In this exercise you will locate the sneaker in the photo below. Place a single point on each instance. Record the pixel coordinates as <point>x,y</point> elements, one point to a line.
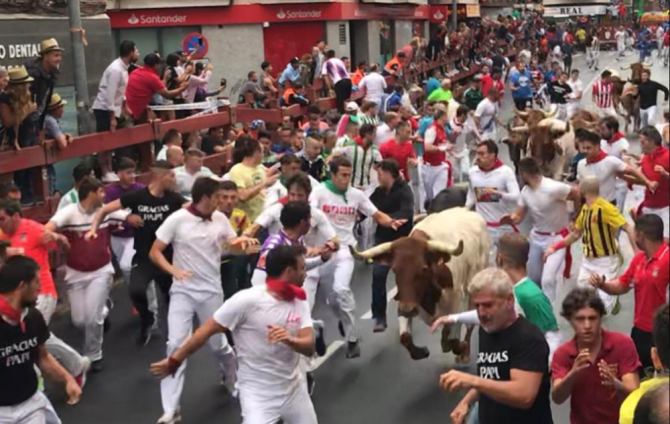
<point>110,177</point>
<point>170,418</point>
<point>86,367</point>
<point>97,366</point>
<point>380,325</point>
<point>320,342</point>
<point>311,383</point>
<point>353,350</point>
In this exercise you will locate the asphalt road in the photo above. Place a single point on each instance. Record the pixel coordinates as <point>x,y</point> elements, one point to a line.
<point>384,386</point>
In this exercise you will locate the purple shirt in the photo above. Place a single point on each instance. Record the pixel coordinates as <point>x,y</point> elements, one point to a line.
<point>114,192</point>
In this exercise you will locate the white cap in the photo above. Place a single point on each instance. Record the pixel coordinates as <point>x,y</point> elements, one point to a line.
<point>351,107</point>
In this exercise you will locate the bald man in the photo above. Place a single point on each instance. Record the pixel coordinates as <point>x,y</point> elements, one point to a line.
<point>175,156</point>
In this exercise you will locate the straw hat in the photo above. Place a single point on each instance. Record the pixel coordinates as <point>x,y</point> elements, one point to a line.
<point>48,46</point>
<point>56,102</point>
<point>19,75</point>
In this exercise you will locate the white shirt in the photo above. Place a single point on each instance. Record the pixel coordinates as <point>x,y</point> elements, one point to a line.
<point>620,37</point>
<point>492,208</point>
<point>577,90</point>
<point>274,194</point>
<point>383,134</point>
<point>69,198</point>
<point>162,153</point>
<point>606,171</point>
<point>264,368</point>
<point>320,230</point>
<point>616,149</point>
<point>547,205</point>
<point>185,179</point>
<point>112,88</point>
<point>486,112</point>
<point>342,213</point>
<point>339,71</point>
<point>374,85</point>
<point>197,245</point>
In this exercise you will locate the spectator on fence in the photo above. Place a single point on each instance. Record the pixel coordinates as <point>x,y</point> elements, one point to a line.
<point>44,72</point>
<point>305,68</point>
<point>373,85</point>
<point>294,96</point>
<point>433,82</point>
<point>79,173</point>
<point>442,94</point>
<point>196,81</point>
<point>252,86</point>
<point>291,73</point>
<point>268,82</point>
<point>11,192</point>
<point>396,65</point>
<point>358,76</point>
<point>192,170</point>
<point>171,138</point>
<point>109,108</point>
<point>214,141</point>
<point>143,84</point>
<point>53,131</point>
<point>19,124</point>
<point>337,79</point>
<point>202,91</point>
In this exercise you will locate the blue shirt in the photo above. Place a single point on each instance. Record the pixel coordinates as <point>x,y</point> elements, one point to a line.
<point>431,85</point>
<point>290,74</point>
<point>522,81</point>
<point>549,76</point>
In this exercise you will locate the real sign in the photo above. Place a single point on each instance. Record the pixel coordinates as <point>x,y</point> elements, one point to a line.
<point>575,10</point>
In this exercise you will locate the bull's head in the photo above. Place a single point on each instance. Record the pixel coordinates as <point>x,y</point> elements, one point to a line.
<point>543,145</point>
<point>534,117</point>
<point>421,270</point>
<point>636,71</point>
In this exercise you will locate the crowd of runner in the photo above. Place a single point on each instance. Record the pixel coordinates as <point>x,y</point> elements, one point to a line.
<point>245,252</point>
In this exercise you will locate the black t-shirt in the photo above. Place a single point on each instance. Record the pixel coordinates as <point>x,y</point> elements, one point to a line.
<point>209,143</point>
<point>154,211</point>
<point>498,62</point>
<point>558,91</point>
<point>18,356</point>
<point>521,346</point>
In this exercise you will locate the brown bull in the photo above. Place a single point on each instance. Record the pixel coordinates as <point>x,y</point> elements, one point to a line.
<point>433,267</point>
<point>630,101</point>
<point>520,129</point>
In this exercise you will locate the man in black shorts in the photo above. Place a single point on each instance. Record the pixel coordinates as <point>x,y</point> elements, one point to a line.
<point>149,207</point>
<point>513,385</point>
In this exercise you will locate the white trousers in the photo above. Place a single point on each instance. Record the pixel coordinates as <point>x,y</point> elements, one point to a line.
<point>609,267</point>
<point>555,340</point>
<point>336,280</point>
<point>461,165</point>
<point>647,116</point>
<point>592,58</point>
<point>435,179</point>
<point>69,358</point>
<point>546,274</point>
<point>87,304</point>
<point>291,408</point>
<point>664,214</point>
<point>183,309</point>
<point>418,188</point>
<point>573,108</point>
<point>124,251</point>
<point>621,193</point>
<point>607,112</point>
<point>32,411</point>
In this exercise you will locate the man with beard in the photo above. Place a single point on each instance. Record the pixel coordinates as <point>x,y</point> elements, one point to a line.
<point>23,334</point>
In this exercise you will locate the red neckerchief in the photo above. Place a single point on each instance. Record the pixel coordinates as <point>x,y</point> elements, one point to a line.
<point>359,140</point>
<point>602,155</point>
<point>286,291</point>
<point>497,164</point>
<point>283,200</point>
<point>616,137</point>
<point>8,310</point>
<point>197,213</point>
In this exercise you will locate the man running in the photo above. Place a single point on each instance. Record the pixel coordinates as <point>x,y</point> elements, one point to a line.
<point>648,94</point>
<point>656,167</point>
<point>575,98</point>
<point>435,167</point>
<point>197,235</point>
<point>342,204</point>
<point>272,328</point>
<point>615,144</point>
<point>603,95</point>
<point>546,201</point>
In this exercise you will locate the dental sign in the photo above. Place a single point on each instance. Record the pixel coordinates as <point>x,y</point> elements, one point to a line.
<point>18,51</point>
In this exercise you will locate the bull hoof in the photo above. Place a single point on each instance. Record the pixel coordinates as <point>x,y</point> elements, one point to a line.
<point>463,359</point>
<point>447,346</point>
<point>419,353</point>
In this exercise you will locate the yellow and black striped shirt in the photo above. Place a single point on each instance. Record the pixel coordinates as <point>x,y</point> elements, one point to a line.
<point>600,224</point>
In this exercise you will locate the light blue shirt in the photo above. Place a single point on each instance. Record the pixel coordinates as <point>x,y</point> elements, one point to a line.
<point>290,74</point>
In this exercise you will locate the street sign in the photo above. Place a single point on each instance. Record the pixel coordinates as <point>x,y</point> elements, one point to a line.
<point>196,42</point>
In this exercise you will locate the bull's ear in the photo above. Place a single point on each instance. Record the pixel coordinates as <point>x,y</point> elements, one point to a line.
<point>443,277</point>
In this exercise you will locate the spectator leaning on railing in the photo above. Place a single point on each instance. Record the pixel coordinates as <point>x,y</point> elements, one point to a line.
<point>4,80</point>
<point>53,131</point>
<point>44,71</point>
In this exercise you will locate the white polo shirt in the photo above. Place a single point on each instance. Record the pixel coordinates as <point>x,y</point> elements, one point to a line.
<point>616,149</point>
<point>320,230</point>
<point>606,171</point>
<point>264,368</point>
<point>197,245</point>
<point>547,205</point>
<point>185,179</point>
<point>492,207</point>
<point>342,213</point>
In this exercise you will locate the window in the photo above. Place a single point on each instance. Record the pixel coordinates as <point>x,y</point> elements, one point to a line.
<point>165,40</point>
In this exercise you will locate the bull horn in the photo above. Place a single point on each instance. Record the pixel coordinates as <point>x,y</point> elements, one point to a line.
<point>647,67</point>
<point>625,68</point>
<point>438,246</point>
<point>524,128</point>
<point>552,113</point>
<point>371,253</point>
<point>522,115</point>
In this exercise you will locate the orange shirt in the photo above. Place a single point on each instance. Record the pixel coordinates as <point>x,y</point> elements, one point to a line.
<point>357,77</point>
<point>29,238</point>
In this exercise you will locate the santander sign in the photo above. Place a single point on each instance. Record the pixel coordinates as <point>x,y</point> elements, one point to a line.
<point>156,19</point>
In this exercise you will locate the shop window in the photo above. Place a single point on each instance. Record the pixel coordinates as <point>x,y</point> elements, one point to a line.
<point>148,40</point>
<point>386,41</point>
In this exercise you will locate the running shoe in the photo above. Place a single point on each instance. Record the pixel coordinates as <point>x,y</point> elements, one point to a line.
<point>353,350</point>
<point>86,367</point>
<point>380,325</point>
<point>170,418</point>
<point>311,383</point>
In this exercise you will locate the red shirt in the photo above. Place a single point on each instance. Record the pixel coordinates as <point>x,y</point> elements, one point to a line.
<point>487,84</point>
<point>142,85</point>
<point>591,402</point>
<point>399,153</point>
<point>29,238</point>
<point>650,279</point>
<point>661,198</point>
